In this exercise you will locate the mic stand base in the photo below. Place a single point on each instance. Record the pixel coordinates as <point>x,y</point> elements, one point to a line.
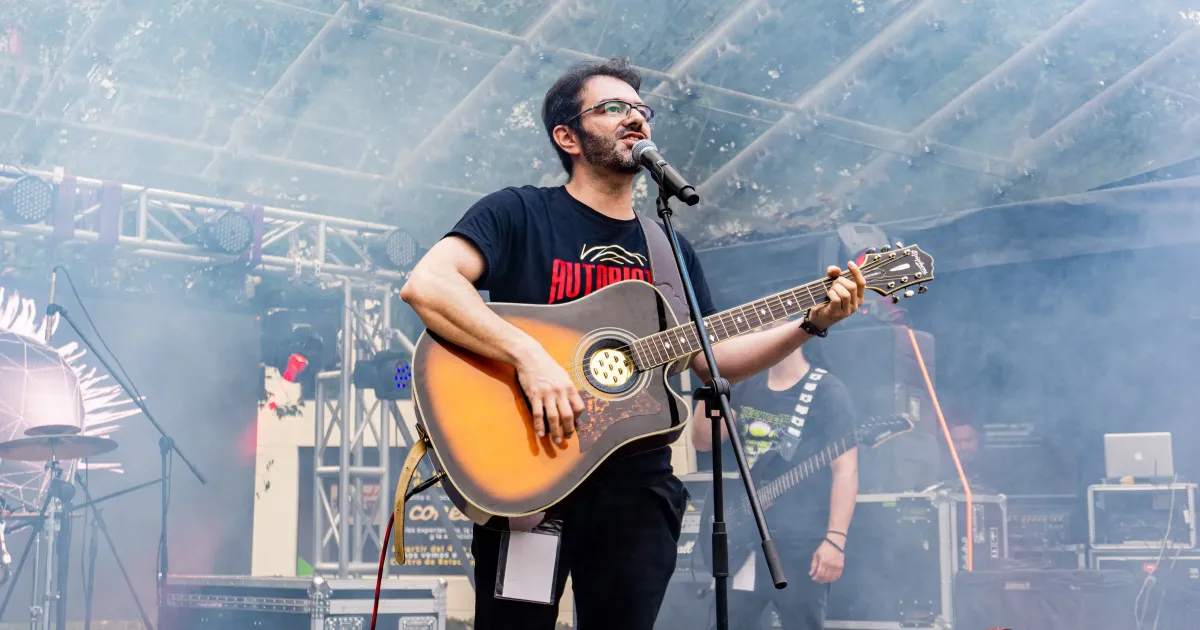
<point>98,523</point>
<point>716,391</point>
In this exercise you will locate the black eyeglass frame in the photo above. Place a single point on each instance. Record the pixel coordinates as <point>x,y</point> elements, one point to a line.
<point>643,108</point>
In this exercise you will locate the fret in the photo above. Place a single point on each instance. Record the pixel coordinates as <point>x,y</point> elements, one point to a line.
<point>811,297</point>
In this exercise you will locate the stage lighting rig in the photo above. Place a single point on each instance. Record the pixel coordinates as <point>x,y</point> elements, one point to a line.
<point>231,232</point>
<point>388,374</point>
<point>27,201</point>
<point>396,250</point>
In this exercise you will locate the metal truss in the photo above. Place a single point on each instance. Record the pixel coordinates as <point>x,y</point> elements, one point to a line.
<point>351,499</point>
<point>164,225</point>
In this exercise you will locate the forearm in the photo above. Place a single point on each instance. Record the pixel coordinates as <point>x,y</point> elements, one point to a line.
<point>450,306</point>
<point>743,357</point>
<point>842,499</point>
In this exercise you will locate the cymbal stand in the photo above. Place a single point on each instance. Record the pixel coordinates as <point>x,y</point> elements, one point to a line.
<point>43,526</point>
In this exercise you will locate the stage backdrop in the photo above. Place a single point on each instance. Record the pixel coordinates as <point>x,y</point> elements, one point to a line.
<point>197,367</point>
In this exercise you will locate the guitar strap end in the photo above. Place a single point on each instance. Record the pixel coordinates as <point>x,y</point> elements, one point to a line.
<point>415,454</point>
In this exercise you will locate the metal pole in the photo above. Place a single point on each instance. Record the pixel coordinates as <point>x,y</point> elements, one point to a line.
<point>346,401</point>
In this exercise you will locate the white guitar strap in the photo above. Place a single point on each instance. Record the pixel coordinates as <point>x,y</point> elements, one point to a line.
<point>795,431</point>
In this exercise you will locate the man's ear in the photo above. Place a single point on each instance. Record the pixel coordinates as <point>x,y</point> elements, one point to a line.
<point>567,140</point>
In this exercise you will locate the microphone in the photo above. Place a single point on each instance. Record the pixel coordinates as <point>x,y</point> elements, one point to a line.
<point>646,153</point>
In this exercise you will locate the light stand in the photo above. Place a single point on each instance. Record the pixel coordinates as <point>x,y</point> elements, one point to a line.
<point>166,446</point>
<point>715,394</point>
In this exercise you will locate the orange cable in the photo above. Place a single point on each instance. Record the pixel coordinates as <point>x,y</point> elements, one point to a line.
<point>937,407</point>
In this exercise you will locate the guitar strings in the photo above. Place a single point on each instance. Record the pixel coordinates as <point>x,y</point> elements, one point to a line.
<point>724,318</point>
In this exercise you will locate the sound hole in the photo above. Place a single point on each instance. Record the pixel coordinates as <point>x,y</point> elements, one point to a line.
<point>609,366</point>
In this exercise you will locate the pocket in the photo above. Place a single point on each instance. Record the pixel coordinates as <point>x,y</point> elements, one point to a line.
<point>673,498</point>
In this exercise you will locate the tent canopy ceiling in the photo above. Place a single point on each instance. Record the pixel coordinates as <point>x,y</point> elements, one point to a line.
<point>792,116</point>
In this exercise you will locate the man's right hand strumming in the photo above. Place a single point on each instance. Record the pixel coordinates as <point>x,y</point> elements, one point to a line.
<point>440,289</point>
<point>553,397</point>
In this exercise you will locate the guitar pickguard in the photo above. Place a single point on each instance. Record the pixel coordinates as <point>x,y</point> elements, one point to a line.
<point>600,414</point>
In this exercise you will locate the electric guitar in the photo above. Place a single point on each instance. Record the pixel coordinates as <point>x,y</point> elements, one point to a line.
<point>742,530</point>
<point>619,344</point>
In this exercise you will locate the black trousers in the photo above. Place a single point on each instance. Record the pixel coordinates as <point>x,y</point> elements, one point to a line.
<point>801,606</point>
<point>619,545</point>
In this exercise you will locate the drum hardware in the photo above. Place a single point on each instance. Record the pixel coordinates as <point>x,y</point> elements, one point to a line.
<point>59,499</point>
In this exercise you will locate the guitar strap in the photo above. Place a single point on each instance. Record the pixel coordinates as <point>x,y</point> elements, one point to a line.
<point>793,434</point>
<point>663,269</point>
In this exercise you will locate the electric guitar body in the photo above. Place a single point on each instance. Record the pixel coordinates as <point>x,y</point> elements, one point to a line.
<point>619,345</point>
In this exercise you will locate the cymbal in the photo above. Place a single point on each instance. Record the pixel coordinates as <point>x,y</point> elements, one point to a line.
<point>60,447</point>
<point>53,429</point>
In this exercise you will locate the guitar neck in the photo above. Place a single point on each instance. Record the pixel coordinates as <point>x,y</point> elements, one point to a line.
<point>807,468</point>
<point>682,341</point>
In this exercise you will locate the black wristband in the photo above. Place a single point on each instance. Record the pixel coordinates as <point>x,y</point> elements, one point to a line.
<point>834,531</point>
<point>808,327</point>
<point>835,545</point>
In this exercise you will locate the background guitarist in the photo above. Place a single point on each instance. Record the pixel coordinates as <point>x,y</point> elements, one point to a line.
<point>539,245</point>
<point>809,522</point>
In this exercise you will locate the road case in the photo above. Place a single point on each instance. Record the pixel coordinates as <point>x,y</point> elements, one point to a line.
<point>903,552</point>
<point>302,603</point>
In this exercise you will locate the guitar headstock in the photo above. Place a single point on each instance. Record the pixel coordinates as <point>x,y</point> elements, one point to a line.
<point>890,270</point>
<point>879,429</point>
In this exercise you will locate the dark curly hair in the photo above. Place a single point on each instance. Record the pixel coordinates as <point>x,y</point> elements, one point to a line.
<point>562,99</point>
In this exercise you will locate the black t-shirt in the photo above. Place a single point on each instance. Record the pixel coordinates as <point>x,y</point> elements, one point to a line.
<point>543,246</point>
<point>763,415</point>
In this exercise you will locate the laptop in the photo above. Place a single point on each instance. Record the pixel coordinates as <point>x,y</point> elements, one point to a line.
<point>1138,455</point>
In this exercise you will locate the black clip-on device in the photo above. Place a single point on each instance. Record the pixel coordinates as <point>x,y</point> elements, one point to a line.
<point>166,445</point>
<point>715,394</point>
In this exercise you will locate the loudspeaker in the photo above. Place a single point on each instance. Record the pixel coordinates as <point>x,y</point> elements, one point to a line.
<point>1045,600</point>
<point>879,366</point>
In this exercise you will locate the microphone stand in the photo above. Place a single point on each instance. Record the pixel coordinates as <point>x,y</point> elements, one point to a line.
<point>715,394</point>
<point>166,446</point>
<point>89,580</point>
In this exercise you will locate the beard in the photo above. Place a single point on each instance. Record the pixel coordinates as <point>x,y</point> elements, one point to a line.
<point>608,152</point>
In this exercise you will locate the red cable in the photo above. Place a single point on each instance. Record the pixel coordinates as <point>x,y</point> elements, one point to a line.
<point>962,476</point>
<point>379,576</point>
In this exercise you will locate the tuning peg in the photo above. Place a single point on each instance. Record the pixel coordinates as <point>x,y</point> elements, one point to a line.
<point>895,299</point>
<point>909,293</point>
<point>872,250</point>
<point>885,248</point>
<point>923,290</point>
<point>899,245</point>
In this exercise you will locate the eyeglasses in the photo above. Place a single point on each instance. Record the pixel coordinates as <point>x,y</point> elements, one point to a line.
<point>616,108</point>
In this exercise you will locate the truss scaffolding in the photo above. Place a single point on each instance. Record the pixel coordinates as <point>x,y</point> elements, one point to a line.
<point>164,224</point>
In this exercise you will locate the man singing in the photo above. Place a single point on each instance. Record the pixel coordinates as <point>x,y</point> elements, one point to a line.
<point>621,526</point>
<point>809,522</point>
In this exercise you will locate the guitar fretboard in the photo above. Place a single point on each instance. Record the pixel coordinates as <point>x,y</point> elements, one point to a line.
<point>769,492</point>
<point>670,345</point>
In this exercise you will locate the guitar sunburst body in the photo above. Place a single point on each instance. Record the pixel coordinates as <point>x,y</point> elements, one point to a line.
<point>618,344</point>
<point>498,472</point>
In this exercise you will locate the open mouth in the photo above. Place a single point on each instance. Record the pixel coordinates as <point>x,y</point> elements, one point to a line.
<point>632,138</point>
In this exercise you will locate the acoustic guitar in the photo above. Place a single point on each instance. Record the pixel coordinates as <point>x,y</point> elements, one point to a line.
<point>619,344</point>
<point>742,529</point>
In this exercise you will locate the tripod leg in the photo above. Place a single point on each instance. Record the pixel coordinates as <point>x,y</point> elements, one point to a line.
<point>121,567</point>
<point>17,574</point>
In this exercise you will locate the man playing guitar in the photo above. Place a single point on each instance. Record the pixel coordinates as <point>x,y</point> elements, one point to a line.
<point>537,245</point>
<point>809,522</point>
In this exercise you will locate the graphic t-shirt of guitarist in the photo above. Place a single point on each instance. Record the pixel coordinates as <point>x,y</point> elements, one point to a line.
<point>763,415</point>
<point>543,246</point>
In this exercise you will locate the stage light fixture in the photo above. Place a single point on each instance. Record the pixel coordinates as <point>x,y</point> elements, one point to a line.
<point>230,233</point>
<point>28,200</point>
<point>388,374</point>
<point>294,343</point>
<point>397,250</point>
